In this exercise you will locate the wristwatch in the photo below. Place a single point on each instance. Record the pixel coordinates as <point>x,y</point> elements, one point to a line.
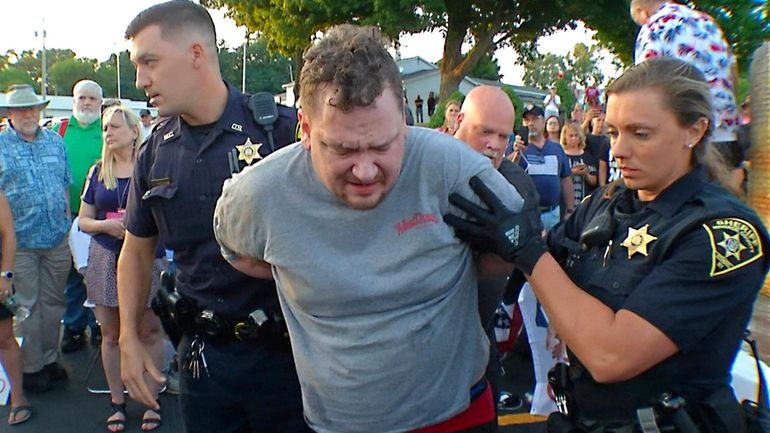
<point>8,275</point>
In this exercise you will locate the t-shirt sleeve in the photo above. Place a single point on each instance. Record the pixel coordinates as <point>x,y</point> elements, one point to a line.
<point>89,189</point>
<point>238,221</point>
<point>685,298</point>
<point>565,170</point>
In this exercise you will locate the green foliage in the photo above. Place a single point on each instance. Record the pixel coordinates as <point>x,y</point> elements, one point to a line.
<point>438,116</point>
<point>542,71</point>
<point>63,74</point>
<point>579,67</point>
<point>566,94</point>
<point>486,69</point>
<point>746,24</point>
<point>9,76</point>
<point>517,105</point>
<point>265,71</point>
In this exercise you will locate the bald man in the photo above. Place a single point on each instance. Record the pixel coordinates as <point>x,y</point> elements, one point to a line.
<point>485,123</point>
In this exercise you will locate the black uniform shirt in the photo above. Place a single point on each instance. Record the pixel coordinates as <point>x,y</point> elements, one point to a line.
<point>177,180</point>
<point>690,262</point>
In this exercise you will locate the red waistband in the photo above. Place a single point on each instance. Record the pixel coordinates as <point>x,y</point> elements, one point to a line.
<point>480,411</point>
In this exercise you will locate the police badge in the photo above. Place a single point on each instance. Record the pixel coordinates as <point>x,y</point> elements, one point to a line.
<point>734,244</point>
<point>249,152</point>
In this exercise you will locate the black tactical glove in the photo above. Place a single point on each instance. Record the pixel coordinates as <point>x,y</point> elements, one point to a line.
<point>498,230</point>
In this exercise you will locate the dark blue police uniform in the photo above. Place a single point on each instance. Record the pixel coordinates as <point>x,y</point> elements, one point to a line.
<point>249,385</point>
<point>690,262</point>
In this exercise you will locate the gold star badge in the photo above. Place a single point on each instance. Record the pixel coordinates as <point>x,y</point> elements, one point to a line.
<point>732,245</point>
<point>637,240</point>
<point>249,152</point>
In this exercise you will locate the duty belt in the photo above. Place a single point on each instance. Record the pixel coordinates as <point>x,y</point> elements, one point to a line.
<point>259,324</point>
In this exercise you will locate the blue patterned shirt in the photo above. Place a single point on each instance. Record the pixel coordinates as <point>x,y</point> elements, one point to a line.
<point>35,177</point>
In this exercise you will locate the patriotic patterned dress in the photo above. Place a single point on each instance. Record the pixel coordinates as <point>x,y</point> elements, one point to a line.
<point>678,31</point>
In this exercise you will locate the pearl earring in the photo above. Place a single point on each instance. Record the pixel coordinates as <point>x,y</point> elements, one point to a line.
<point>691,145</point>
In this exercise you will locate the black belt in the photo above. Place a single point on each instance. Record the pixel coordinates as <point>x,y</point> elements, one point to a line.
<point>478,388</point>
<point>544,209</point>
<point>258,325</point>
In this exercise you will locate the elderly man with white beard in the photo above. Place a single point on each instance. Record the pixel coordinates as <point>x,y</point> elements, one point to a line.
<point>82,134</point>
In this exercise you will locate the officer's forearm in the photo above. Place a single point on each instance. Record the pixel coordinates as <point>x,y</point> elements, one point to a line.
<point>613,347</point>
<point>134,276</point>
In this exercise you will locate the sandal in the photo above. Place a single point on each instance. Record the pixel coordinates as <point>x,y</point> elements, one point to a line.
<point>118,424</point>
<point>13,415</point>
<point>150,423</point>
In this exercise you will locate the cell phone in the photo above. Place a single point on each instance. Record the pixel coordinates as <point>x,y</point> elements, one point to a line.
<point>523,132</point>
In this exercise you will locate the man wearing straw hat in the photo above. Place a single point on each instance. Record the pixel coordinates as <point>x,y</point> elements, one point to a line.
<point>35,178</point>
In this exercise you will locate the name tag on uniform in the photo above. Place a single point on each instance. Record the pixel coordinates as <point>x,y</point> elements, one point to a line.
<point>160,181</point>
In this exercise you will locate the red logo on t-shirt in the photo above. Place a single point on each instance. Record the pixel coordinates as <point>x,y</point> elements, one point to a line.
<point>418,219</point>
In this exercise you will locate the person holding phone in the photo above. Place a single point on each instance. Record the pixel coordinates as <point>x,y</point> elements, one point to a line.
<point>545,161</point>
<point>582,163</point>
<point>101,214</point>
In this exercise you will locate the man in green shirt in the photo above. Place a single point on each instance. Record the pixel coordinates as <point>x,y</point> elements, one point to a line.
<point>82,134</point>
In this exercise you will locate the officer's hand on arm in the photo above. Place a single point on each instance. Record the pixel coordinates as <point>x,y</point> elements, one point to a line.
<point>134,275</point>
<point>497,230</point>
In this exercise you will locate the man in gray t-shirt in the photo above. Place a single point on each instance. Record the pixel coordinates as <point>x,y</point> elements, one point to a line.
<point>379,296</point>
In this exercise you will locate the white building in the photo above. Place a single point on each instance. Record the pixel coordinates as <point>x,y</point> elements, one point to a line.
<point>61,106</point>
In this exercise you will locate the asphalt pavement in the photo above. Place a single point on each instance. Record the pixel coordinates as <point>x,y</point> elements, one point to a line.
<point>71,408</point>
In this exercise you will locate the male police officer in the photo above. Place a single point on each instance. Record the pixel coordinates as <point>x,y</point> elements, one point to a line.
<point>235,381</point>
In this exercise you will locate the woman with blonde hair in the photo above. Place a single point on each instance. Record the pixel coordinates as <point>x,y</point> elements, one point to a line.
<point>584,166</point>
<point>101,214</point>
<point>450,117</point>
<point>651,282</point>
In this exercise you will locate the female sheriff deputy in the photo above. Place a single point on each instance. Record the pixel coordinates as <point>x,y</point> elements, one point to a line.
<point>651,282</point>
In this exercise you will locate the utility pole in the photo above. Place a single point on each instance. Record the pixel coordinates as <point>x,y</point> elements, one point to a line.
<point>44,83</point>
<point>245,44</point>
<point>117,67</point>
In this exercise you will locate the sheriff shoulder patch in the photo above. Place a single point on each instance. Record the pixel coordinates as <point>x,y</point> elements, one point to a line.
<point>734,244</point>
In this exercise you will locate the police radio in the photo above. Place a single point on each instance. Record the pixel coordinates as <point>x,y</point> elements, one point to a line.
<point>265,112</point>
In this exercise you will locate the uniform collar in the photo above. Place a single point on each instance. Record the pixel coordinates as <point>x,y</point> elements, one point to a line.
<point>233,118</point>
<point>679,193</point>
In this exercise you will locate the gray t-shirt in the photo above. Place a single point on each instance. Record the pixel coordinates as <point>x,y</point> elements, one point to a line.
<point>381,304</point>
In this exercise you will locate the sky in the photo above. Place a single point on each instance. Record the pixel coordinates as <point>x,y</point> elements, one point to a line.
<point>70,24</point>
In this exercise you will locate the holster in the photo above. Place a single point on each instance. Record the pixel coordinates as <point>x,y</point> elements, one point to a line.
<point>720,412</point>
<point>166,305</point>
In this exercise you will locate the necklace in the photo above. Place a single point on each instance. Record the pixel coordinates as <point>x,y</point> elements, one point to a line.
<point>122,197</point>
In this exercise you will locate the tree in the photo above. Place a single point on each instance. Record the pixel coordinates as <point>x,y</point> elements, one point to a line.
<point>543,71</point>
<point>289,26</point>
<point>13,75</point>
<point>746,24</point>
<point>486,69</point>
<point>265,71</point>
<point>63,74</point>
<point>108,77</point>
<point>583,65</point>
